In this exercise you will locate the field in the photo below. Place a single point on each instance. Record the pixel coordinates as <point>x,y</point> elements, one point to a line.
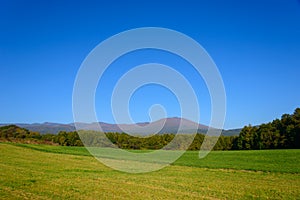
<point>55,172</point>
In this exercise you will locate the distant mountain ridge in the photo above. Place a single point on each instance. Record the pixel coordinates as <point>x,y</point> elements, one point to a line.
<point>166,125</point>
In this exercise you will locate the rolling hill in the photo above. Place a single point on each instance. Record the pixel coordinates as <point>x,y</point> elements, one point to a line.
<point>166,125</point>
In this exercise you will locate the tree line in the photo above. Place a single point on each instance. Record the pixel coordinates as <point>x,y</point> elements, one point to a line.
<point>281,133</point>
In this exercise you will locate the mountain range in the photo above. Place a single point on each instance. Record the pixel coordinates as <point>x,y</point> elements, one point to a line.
<point>166,125</point>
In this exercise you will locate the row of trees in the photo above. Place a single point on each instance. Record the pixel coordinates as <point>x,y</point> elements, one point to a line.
<point>13,133</point>
<point>122,140</point>
<point>280,133</point>
<point>166,141</point>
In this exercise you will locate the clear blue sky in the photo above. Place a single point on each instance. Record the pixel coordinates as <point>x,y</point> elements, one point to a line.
<point>255,44</point>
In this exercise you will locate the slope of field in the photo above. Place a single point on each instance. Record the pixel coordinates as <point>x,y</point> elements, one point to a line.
<point>50,172</point>
<point>286,161</point>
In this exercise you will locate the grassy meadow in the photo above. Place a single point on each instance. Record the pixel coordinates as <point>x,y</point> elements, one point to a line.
<point>30,171</point>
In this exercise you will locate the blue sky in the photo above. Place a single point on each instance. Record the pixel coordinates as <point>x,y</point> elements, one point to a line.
<point>255,44</point>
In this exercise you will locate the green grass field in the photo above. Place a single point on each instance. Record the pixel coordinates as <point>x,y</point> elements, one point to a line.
<point>55,172</point>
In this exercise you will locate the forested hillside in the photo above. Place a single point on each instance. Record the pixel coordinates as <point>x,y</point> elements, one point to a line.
<point>278,134</point>
<point>281,133</point>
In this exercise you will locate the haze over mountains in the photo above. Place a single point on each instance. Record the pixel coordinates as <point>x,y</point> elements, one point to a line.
<point>166,125</point>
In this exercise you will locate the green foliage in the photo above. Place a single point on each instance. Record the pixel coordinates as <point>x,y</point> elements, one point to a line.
<point>278,134</point>
<point>125,141</point>
<point>68,139</point>
<point>12,132</point>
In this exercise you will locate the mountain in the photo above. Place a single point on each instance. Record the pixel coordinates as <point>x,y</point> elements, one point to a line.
<point>231,132</point>
<point>166,125</point>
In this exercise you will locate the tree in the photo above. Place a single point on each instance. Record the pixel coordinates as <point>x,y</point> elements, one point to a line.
<point>246,138</point>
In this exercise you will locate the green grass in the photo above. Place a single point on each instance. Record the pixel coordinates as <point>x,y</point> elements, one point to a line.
<point>55,172</point>
<point>257,160</point>
<point>262,160</point>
